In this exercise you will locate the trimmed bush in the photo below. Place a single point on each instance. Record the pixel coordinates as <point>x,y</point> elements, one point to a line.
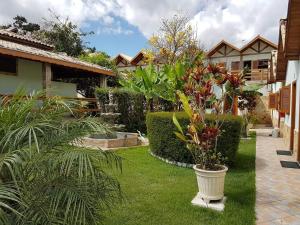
<point>131,106</point>
<point>164,143</point>
<point>129,103</point>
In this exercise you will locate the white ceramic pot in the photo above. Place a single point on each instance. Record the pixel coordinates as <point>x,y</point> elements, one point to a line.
<point>210,183</point>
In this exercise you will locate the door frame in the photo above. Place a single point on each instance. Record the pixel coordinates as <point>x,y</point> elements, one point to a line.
<point>293,114</point>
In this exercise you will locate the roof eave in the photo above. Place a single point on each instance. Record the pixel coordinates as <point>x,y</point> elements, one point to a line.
<point>35,57</point>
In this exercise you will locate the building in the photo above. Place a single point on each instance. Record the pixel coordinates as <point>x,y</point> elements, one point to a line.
<point>284,80</point>
<point>123,62</point>
<point>255,56</point>
<point>32,65</point>
<point>129,64</point>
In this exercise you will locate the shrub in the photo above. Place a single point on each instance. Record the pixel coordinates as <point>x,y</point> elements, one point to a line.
<point>102,95</point>
<point>163,142</point>
<point>129,103</point>
<point>131,106</point>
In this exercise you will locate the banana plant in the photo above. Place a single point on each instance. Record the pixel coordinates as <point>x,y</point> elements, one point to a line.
<point>152,82</point>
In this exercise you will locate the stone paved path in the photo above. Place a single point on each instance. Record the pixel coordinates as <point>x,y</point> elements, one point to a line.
<point>277,188</point>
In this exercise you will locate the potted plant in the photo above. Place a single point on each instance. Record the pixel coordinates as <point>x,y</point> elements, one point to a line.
<point>203,90</point>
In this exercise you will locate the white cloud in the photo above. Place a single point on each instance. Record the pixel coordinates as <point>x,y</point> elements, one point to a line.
<point>233,20</point>
<point>239,20</point>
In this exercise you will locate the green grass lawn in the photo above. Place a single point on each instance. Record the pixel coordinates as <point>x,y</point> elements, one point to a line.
<point>160,194</point>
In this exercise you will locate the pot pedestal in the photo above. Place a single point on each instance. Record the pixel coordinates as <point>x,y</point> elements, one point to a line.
<point>215,205</point>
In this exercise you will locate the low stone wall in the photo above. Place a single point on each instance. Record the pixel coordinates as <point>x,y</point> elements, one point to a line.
<point>180,164</point>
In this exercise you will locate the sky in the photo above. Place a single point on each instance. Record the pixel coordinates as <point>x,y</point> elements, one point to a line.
<point>124,26</point>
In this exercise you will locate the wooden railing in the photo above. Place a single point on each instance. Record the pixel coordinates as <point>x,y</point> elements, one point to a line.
<point>82,106</point>
<point>255,74</point>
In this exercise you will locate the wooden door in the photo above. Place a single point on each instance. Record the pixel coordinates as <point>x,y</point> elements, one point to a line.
<point>293,115</point>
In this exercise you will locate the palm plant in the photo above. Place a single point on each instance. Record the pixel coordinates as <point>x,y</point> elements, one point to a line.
<point>45,177</point>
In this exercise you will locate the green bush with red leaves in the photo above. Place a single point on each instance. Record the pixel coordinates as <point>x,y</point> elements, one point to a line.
<point>164,143</point>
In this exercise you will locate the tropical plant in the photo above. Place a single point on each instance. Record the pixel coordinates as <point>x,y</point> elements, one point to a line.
<point>153,83</point>
<point>199,95</point>
<point>46,178</point>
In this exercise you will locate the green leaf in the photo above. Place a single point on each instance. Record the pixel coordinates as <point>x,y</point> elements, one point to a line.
<point>175,121</point>
<point>186,106</point>
<point>180,136</point>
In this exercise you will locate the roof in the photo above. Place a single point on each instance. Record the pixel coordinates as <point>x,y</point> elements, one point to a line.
<point>281,62</point>
<point>139,56</point>
<point>220,45</point>
<point>36,54</point>
<point>24,39</point>
<point>126,57</point>
<point>292,35</point>
<point>258,38</point>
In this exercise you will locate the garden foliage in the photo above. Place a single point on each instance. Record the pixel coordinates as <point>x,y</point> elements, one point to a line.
<point>129,103</point>
<point>163,141</point>
<point>45,177</point>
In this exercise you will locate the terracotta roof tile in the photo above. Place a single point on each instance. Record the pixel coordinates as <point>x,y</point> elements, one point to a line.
<point>46,56</point>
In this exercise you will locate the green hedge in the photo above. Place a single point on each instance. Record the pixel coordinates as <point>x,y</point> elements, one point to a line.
<point>130,104</point>
<point>163,142</point>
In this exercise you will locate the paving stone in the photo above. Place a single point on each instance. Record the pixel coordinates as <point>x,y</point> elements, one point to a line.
<point>277,188</point>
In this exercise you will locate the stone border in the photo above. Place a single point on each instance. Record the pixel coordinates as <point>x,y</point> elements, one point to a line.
<point>246,138</point>
<point>180,164</point>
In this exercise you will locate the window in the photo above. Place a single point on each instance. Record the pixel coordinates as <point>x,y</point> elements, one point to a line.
<point>8,65</point>
<point>272,100</point>
<point>263,64</point>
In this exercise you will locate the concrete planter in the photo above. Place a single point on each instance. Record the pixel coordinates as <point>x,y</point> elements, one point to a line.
<point>210,183</point>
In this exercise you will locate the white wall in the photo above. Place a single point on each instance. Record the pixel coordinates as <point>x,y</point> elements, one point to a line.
<point>63,89</point>
<point>256,57</point>
<point>293,74</point>
<point>29,77</point>
<point>228,60</point>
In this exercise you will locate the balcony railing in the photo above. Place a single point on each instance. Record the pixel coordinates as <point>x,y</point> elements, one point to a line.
<point>255,74</point>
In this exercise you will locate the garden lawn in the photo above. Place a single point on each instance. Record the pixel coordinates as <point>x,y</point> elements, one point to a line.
<point>157,193</point>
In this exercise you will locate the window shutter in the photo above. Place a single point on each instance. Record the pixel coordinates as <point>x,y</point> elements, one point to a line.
<point>255,64</point>
<point>272,100</point>
<point>277,100</point>
<point>285,93</point>
<point>235,65</point>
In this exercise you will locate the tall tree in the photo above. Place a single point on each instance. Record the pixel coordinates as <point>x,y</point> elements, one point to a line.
<point>21,25</point>
<point>64,35</point>
<point>176,40</point>
<point>102,59</point>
